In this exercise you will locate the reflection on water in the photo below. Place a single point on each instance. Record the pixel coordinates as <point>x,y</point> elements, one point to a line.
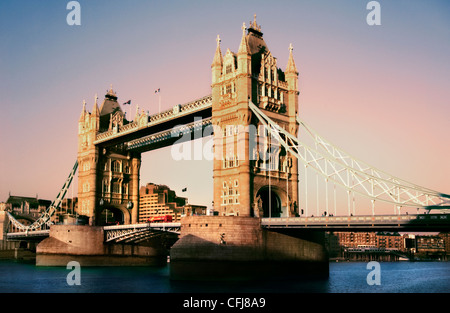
<point>404,277</point>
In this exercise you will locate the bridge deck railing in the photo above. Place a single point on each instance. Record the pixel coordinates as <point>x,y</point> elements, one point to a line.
<point>410,219</point>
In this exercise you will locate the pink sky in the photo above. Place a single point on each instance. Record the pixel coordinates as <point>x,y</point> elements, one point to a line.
<point>379,92</point>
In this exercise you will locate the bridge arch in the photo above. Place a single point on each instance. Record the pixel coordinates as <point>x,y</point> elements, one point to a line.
<point>271,201</point>
<point>112,214</point>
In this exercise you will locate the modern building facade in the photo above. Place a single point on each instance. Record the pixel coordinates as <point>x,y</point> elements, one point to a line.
<point>159,200</point>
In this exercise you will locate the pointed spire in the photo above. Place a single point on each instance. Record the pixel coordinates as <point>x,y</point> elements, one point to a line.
<point>218,55</point>
<point>291,68</point>
<point>243,47</point>
<point>83,111</point>
<point>254,25</point>
<point>111,91</point>
<point>95,110</point>
<point>137,112</point>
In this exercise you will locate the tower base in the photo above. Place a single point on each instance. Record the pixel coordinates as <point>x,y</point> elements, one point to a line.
<point>237,248</point>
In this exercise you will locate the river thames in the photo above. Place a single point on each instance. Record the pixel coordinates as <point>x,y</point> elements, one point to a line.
<point>345,277</point>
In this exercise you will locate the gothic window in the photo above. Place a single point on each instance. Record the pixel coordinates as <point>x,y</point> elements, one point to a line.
<point>272,77</point>
<point>228,89</point>
<point>228,69</point>
<point>230,130</point>
<point>105,186</point>
<point>116,166</point>
<point>230,161</point>
<point>116,187</point>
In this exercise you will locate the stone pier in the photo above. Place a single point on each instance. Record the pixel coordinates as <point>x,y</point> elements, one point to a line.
<point>237,248</point>
<point>85,244</point>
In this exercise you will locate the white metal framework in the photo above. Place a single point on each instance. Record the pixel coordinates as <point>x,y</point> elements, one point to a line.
<point>349,173</point>
<point>138,232</point>
<point>45,219</point>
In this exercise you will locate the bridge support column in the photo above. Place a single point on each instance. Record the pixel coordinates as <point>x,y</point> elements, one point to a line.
<point>237,248</point>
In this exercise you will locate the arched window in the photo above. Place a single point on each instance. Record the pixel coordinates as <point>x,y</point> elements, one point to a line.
<point>116,166</point>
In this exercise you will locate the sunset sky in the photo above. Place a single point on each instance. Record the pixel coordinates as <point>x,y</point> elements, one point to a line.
<point>381,93</point>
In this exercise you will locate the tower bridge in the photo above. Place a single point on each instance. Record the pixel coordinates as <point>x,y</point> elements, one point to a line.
<point>252,116</point>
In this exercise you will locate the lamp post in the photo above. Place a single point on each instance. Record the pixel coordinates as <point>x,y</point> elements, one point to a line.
<point>101,206</point>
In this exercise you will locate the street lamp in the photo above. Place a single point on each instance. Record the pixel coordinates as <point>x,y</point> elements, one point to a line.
<point>101,206</point>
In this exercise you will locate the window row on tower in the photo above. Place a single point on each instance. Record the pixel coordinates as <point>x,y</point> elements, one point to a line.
<point>230,193</point>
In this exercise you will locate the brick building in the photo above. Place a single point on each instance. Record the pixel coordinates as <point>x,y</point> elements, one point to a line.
<point>157,200</point>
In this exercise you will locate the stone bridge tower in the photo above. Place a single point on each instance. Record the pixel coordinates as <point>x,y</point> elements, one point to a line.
<point>252,173</point>
<point>108,177</point>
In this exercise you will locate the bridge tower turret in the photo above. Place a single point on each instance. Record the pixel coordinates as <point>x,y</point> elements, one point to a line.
<point>248,181</point>
<point>108,176</point>
<point>88,154</point>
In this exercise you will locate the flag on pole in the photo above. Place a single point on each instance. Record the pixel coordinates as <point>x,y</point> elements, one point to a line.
<point>128,102</point>
<point>159,104</point>
<point>184,190</point>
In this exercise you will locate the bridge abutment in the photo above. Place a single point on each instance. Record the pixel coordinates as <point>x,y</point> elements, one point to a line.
<point>237,248</point>
<point>85,244</point>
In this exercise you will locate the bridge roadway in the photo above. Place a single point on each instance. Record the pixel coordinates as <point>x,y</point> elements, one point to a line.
<point>411,222</point>
<point>113,233</point>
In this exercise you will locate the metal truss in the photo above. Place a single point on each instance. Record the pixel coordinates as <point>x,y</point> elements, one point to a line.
<point>45,219</point>
<point>176,132</point>
<point>176,112</point>
<point>351,174</point>
<point>139,232</point>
